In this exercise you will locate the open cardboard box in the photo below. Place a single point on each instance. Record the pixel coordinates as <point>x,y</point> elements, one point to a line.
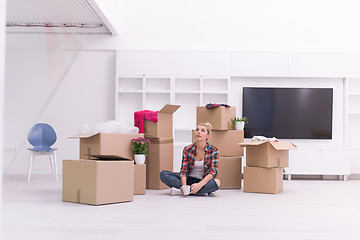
<point>267,153</point>
<point>164,126</point>
<point>219,118</point>
<point>117,144</point>
<point>98,182</point>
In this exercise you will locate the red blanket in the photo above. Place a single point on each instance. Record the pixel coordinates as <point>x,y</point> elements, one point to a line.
<point>139,117</point>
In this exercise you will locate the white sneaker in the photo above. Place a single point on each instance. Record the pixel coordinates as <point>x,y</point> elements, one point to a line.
<point>175,192</point>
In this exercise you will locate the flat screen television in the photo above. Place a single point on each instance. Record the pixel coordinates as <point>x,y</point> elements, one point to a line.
<point>288,113</point>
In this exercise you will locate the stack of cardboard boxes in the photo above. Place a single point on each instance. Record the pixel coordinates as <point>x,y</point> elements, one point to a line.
<point>105,172</point>
<point>161,147</point>
<point>226,139</point>
<point>265,161</point>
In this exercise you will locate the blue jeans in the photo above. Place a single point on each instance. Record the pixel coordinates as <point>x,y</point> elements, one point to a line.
<point>173,180</point>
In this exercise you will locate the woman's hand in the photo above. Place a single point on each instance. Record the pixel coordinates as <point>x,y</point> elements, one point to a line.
<point>195,188</point>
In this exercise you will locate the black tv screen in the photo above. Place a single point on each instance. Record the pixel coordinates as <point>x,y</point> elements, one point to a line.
<point>288,113</point>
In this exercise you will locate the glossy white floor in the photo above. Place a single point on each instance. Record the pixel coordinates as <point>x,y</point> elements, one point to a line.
<point>307,209</point>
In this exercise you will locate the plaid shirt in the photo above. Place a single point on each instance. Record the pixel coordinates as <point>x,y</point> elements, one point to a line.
<point>211,160</point>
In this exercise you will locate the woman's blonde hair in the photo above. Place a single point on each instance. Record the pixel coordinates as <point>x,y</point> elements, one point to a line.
<point>208,127</point>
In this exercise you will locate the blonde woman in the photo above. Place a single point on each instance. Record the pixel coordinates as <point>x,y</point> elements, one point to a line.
<point>199,167</point>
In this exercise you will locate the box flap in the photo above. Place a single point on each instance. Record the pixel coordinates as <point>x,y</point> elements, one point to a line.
<point>83,135</point>
<point>108,157</point>
<point>252,143</point>
<point>283,145</point>
<point>169,109</point>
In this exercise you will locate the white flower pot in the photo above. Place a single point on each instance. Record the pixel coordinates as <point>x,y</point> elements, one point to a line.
<point>139,158</point>
<point>239,126</point>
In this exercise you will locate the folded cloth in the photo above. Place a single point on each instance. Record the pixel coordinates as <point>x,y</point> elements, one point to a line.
<point>262,138</point>
<point>215,105</point>
<point>140,116</point>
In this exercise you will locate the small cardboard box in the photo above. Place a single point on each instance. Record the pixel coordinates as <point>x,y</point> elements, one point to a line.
<point>219,118</point>
<point>97,182</point>
<point>160,157</point>
<point>226,141</point>
<point>229,172</point>
<point>106,144</point>
<point>164,126</point>
<point>139,179</point>
<point>267,153</point>
<point>263,180</point>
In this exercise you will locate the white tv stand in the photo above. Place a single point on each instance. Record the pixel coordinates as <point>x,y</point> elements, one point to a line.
<point>320,161</point>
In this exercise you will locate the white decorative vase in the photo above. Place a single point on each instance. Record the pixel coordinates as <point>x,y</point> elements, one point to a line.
<point>239,125</point>
<point>139,158</point>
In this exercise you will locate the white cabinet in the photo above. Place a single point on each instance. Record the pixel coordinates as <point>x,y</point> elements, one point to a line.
<point>201,63</point>
<point>260,64</point>
<point>327,161</point>
<point>317,65</point>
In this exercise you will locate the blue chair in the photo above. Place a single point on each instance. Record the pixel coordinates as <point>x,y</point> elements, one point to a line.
<point>42,136</point>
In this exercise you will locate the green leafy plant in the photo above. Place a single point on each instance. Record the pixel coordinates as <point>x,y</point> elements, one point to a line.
<point>139,145</point>
<point>236,119</point>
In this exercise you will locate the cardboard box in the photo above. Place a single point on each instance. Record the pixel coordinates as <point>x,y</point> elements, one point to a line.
<point>160,157</point>
<point>226,141</point>
<point>263,180</point>
<point>267,154</point>
<point>164,126</point>
<point>106,144</point>
<point>229,172</point>
<point>98,182</point>
<point>139,179</point>
<point>219,118</point>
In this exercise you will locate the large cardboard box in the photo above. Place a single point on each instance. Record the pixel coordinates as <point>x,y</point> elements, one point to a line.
<point>263,180</point>
<point>160,157</point>
<point>229,172</point>
<point>106,144</point>
<point>226,141</point>
<point>98,182</point>
<point>139,179</point>
<point>219,118</point>
<point>267,153</point>
<point>164,126</point>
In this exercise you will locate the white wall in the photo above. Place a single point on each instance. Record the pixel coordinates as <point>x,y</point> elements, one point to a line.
<point>65,88</point>
<point>225,25</point>
<point>68,80</point>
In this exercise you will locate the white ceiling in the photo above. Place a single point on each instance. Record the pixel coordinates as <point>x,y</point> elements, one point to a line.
<point>56,16</point>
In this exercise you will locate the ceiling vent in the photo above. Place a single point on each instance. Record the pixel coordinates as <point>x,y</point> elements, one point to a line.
<point>56,16</point>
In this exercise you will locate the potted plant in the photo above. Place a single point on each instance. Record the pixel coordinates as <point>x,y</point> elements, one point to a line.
<point>239,123</point>
<point>139,146</point>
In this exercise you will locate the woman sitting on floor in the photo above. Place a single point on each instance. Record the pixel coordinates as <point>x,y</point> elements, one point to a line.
<point>199,166</point>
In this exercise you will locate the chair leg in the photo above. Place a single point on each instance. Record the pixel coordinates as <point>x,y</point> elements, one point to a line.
<point>52,163</point>
<point>30,164</point>
<point>55,166</point>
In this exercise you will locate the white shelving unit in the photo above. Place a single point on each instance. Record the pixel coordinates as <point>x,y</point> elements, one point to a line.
<point>136,93</point>
<point>151,79</point>
<point>352,118</point>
